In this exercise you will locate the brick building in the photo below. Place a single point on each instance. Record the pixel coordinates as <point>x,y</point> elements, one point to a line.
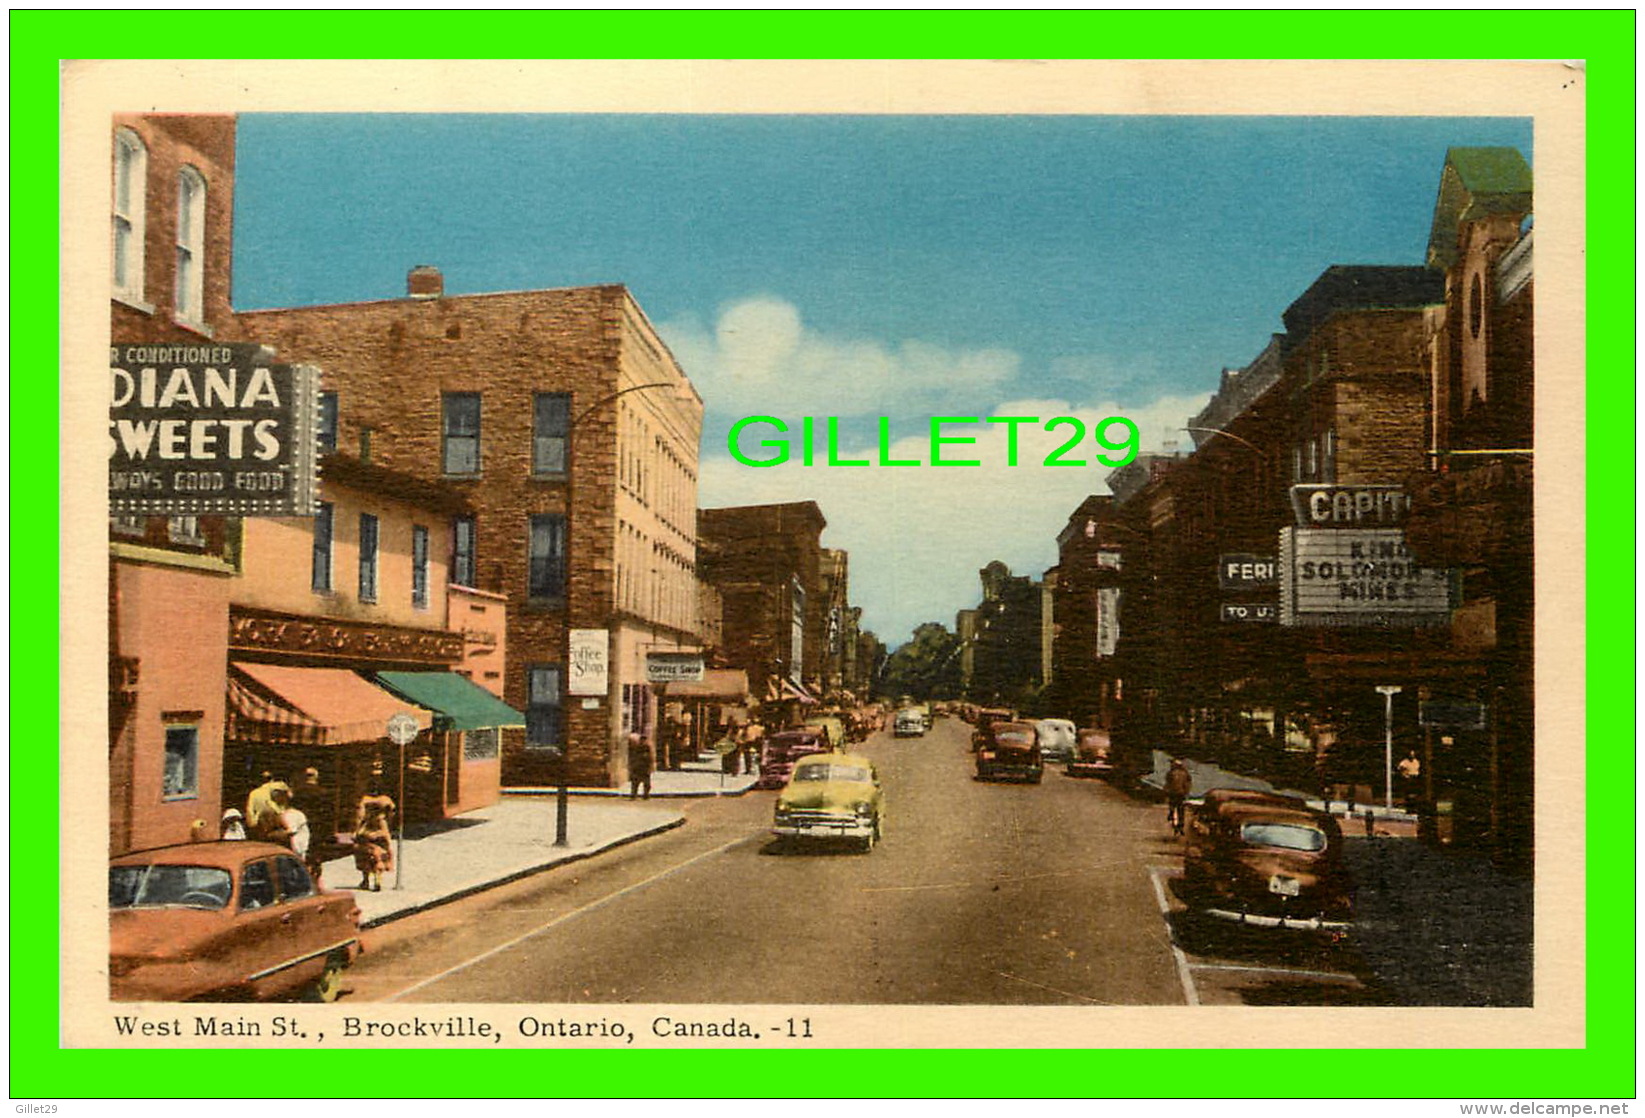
<point>171,214</point>
<point>1472,507</point>
<point>766,563</point>
<point>1007,659</point>
<point>572,433</point>
<point>1086,606</point>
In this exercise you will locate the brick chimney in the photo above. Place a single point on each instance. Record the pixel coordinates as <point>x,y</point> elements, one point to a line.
<point>425,282</point>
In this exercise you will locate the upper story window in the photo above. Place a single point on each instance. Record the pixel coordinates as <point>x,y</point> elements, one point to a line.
<point>191,245</point>
<point>547,556</point>
<point>461,451</point>
<point>180,779</point>
<point>130,208</point>
<point>368,557</point>
<point>463,551</point>
<point>321,578</point>
<point>552,428</point>
<point>185,530</point>
<point>419,567</point>
<point>328,422</point>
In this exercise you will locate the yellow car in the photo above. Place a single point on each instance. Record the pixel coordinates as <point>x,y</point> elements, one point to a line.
<point>831,795</point>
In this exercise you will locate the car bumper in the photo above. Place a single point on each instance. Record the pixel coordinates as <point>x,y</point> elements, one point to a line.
<point>828,828</point>
<point>1089,768</point>
<point>1020,772</point>
<point>1261,920</point>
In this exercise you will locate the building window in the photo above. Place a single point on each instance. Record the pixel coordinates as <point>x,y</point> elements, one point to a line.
<point>1330,464</point>
<point>368,557</point>
<point>480,745</point>
<point>463,551</point>
<point>419,567</point>
<point>191,240</point>
<point>182,771</point>
<point>328,423</point>
<point>462,433</point>
<point>553,427</point>
<point>125,524</point>
<point>321,579</point>
<point>130,208</point>
<point>185,530</point>
<point>1313,459</point>
<point>542,714</point>
<point>547,556</point>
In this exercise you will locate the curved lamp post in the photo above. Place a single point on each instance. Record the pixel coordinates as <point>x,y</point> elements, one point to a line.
<point>561,793</point>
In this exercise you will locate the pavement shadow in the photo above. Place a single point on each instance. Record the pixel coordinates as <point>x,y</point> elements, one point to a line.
<point>1209,937</point>
<point>441,827</point>
<point>782,848</point>
<point>1305,992</point>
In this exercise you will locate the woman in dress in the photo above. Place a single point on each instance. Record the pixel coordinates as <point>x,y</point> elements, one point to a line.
<point>374,840</point>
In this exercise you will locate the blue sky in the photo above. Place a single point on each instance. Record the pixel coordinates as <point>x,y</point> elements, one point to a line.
<point>869,266</point>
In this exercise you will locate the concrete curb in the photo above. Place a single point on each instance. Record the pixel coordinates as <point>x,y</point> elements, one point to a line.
<point>516,875</point>
<point>615,793</point>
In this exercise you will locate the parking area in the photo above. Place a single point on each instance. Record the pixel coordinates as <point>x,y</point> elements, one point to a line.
<point>1226,964</point>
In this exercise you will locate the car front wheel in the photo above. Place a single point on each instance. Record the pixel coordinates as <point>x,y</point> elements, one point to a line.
<point>330,983</point>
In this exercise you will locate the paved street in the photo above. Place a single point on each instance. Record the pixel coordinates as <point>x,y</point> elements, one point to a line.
<point>1056,894</point>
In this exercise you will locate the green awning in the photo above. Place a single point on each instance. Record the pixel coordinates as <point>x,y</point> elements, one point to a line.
<point>460,703</point>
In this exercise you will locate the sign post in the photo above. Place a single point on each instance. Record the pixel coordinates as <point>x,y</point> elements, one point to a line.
<point>402,731</point>
<point>1388,691</point>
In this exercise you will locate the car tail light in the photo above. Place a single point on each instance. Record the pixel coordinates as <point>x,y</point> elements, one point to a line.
<point>987,755</point>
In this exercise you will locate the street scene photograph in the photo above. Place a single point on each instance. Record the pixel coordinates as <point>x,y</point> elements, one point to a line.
<point>574,561</point>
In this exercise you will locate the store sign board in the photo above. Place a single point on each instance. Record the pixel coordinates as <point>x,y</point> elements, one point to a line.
<point>1351,578</point>
<point>590,661</point>
<point>674,667</point>
<point>1108,620</point>
<point>211,430</point>
<point>1247,572</point>
<point>1264,612</point>
<point>1451,714</point>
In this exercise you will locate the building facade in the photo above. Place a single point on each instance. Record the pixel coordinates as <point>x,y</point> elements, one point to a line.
<point>572,433</point>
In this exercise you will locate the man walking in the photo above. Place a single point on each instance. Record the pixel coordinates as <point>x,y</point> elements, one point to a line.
<point>639,766</point>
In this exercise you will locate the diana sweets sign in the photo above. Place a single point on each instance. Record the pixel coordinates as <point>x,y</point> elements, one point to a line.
<point>216,430</point>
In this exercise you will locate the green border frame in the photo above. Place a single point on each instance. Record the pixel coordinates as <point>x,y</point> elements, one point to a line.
<point>1605,1068</point>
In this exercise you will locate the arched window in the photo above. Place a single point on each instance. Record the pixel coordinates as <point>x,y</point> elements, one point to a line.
<point>130,194</point>
<point>191,244</point>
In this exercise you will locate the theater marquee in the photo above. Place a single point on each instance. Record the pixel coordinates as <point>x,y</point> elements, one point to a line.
<point>211,430</point>
<point>1335,576</point>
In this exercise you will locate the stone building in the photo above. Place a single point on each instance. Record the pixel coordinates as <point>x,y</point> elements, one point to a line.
<point>571,432</point>
<point>765,562</point>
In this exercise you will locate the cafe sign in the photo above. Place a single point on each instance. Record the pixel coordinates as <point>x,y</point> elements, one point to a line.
<point>674,667</point>
<point>1358,578</point>
<point>211,430</point>
<point>590,661</point>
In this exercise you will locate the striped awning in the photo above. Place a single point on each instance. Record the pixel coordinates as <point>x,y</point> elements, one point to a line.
<point>311,706</point>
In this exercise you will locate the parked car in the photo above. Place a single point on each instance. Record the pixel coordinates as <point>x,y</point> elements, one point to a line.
<point>831,796</point>
<point>225,921</point>
<point>1057,741</point>
<point>832,727</point>
<point>910,723</point>
<point>1009,749</point>
<point>782,749</point>
<point>1266,860</point>
<point>1092,754</point>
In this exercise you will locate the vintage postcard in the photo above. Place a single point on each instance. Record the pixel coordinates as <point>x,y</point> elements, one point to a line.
<point>824,554</point>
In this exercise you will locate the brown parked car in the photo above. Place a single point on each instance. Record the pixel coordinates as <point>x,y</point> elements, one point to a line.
<point>1092,754</point>
<point>1009,749</point>
<point>1266,860</point>
<point>225,921</point>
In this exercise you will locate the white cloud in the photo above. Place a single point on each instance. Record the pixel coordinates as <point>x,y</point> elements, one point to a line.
<point>760,358</point>
<point>918,535</point>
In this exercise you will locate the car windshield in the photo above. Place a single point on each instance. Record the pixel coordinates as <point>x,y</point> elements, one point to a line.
<point>1013,737</point>
<point>831,772</point>
<point>1291,836</point>
<point>154,886</point>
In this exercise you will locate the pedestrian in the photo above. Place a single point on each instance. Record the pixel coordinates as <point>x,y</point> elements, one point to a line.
<point>319,806</point>
<point>1178,782</point>
<point>1410,773</point>
<point>752,734</point>
<point>374,839</point>
<point>296,825</point>
<point>264,808</point>
<point>233,825</point>
<point>639,766</point>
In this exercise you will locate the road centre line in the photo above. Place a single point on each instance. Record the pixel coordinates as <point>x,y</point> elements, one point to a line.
<point>1189,990</point>
<point>1051,989</point>
<point>563,917</point>
<point>1278,970</point>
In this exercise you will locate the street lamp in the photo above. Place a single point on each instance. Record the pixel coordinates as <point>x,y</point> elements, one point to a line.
<point>1388,691</point>
<point>562,794</point>
<point>1224,434</point>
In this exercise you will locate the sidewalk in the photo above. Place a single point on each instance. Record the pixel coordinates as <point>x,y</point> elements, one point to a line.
<point>514,838</point>
<point>1432,926</point>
